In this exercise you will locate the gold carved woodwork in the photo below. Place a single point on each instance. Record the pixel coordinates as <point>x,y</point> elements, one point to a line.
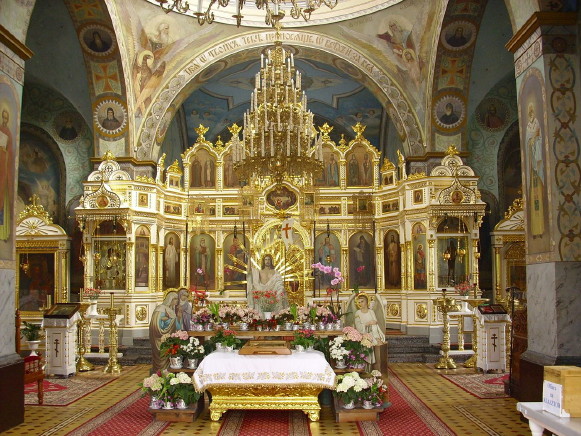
<point>421,310</point>
<point>141,313</point>
<point>393,310</point>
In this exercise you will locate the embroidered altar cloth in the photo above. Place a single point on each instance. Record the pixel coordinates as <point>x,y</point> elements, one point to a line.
<point>225,368</point>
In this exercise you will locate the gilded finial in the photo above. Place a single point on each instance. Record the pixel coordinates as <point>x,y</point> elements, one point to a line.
<point>201,131</point>
<point>452,151</point>
<point>342,141</point>
<point>387,165</point>
<point>161,161</point>
<point>219,144</point>
<point>108,156</point>
<point>359,129</point>
<point>325,129</point>
<point>400,158</point>
<point>175,168</point>
<point>235,129</point>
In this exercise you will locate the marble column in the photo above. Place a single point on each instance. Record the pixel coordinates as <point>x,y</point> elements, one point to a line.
<point>547,75</point>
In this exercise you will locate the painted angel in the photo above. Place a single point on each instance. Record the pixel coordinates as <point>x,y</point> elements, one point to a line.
<point>366,313</point>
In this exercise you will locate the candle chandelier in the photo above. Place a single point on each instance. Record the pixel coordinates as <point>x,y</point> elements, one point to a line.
<point>274,9</point>
<point>279,139</point>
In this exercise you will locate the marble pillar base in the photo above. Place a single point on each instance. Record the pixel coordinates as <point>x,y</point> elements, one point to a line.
<point>11,391</point>
<point>532,369</point>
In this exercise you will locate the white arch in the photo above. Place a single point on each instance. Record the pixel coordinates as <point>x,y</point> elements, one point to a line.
<point>414,143</point>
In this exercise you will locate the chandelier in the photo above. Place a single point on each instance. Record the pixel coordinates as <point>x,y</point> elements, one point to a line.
<point>279,138</point>
<point>274,9</point>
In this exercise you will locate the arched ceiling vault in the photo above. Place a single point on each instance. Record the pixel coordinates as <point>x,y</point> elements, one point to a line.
<point>244,47</point>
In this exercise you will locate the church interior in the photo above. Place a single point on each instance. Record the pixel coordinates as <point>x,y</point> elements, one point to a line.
<point>272,174</point>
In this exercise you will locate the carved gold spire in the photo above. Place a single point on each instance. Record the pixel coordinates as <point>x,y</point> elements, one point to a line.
<point>359,129</point>
<point>452,151</point>
<point>108,156</point>
<point>175,168</point>
<point>515,207</point>
<point>235,129</point>
<point>201,131</point>
<point>325,129</point>
<point>35,209</point>
<point>387,165</point>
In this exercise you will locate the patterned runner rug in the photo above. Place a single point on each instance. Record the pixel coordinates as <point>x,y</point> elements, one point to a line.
<point>265,422</point>
<point>407,416</point>
<point>65,391</point>
<point>129,417</point>
<point>483,386</point>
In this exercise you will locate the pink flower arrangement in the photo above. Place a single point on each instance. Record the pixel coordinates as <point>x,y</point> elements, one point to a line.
<point>326,269</point>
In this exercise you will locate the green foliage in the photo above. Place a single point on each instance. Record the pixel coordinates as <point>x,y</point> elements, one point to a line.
<point>31,331</point>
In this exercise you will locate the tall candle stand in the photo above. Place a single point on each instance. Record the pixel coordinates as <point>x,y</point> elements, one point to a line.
<point>445,305</point>
<point>113,365</point>
<point>82,363</point>
<point>474,303</point>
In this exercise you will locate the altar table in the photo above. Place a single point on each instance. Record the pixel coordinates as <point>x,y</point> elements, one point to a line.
<point>264,382</point>
<point>540,420</point>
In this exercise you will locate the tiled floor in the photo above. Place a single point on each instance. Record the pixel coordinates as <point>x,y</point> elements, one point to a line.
<point>464,413</point>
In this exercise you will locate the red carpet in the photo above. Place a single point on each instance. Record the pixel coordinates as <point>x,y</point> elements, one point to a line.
<point>407,416</point>
<point>483,386</point>
<point>129,417</point>
<point>265,423</point>
<point>62,392</point>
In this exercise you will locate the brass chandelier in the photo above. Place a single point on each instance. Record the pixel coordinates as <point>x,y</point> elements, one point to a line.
<point>274,9</point>
<point>279,138</point>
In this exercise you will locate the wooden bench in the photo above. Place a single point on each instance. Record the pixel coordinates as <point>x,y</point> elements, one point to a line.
<point>33,372</point>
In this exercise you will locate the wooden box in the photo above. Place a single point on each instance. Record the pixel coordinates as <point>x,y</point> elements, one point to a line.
<point>357,414</point>
<point>569,377</point>
<point>265,348</point>
<point>179,415</point>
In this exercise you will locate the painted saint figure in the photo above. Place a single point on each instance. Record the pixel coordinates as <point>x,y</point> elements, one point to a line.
<point>361,260</point>
<point>183,310</point>
<point>393,263</point>
<point>110,123</point>
<point>353,171</point>
<point>6,179</point>
<point>332,172</point>
<point>536,187</point>
<point>420,268</point>
<point>171,267</point>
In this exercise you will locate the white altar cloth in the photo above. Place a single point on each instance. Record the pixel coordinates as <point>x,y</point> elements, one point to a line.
<point>225,368</point>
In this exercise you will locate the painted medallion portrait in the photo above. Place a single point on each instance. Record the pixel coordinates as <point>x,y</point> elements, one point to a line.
<point>97,40</point>
<point>68,126</point>
<point>458,35</point>
<point>492,114</point>
<point>111,117</point>
<point>449,111</point>
<point>281,197</point>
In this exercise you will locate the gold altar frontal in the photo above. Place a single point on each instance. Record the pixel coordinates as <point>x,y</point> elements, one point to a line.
<point>264,396</point>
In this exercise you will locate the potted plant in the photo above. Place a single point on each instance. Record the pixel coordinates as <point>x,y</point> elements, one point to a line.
<point>171,346</point>
<point>284,318</point>
<point>227,339</point>
<point>152,386</point>
<point>181,390</point>
<point>349,387</point>
<point>202,319</point>
<point>377,392</point>
<point>193,351</point>
<point>32,334</point>
<point>338,352</point>
<point>267,301</point>
<point>359,345</point>
<point>303,339</point>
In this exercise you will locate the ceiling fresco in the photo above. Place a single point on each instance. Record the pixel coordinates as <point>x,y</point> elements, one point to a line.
<point>332,95</point>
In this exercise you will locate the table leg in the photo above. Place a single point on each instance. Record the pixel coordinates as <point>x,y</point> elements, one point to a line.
<point>40,384</point>
<point>313,415</point>
<point>216,414</point>
<point>536,429</point>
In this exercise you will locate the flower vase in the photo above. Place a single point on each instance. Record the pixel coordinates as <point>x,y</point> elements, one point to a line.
<point>192,363</point>
<point>320,326</point>
<point>299,348</point>
<point>288,326</point>
<point>338,325</point>
<point>243,326</point>
<point>349,405</point>
<point>92,309</point>
<point>267,315</point>
<point>463,303</point>
<point>367,404</point>
<point>154,403</point>
<point>209,327</point>
<point>198,327</point>
<point>219,346</point>
<point>229,348</point>
<point>168,405</point>
<point>33,346</point>
<point>340,364</point>
<point>181,404</point>
<point>175,362</point>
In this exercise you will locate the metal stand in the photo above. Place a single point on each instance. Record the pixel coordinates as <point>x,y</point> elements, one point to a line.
<point>445,305</point>
<point>113,366</point>
<point>82,363</point>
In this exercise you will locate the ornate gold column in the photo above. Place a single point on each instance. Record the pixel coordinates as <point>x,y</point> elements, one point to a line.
<point>130,267</point>
<point>159,274</point>
<point>497,270</point>
<point>404,266</point>
<point>431,265</point>
<point>220,267</point>
<point>475,270</point>
<point>410,267</point>
<point>152,280</point>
